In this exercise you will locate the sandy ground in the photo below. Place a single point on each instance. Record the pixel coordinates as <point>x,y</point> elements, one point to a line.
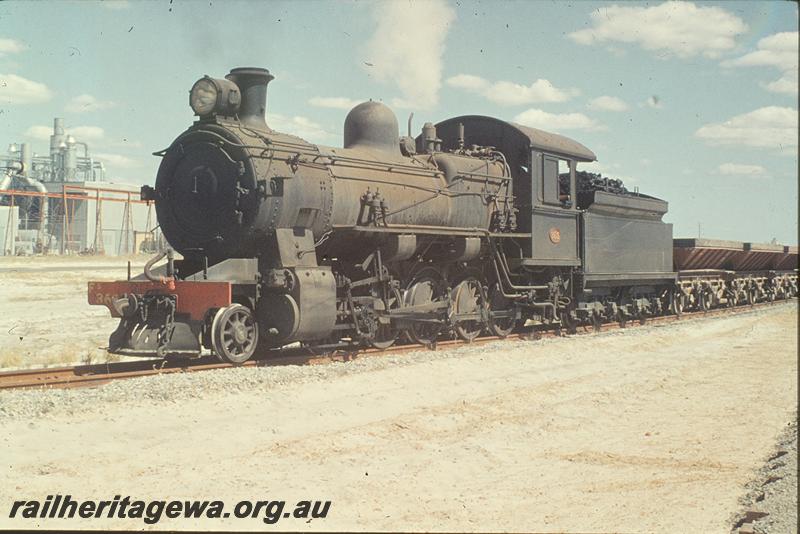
<point>45,319</point>
<point>654,429</point>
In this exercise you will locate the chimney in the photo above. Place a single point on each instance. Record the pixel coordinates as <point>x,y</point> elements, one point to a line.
<point>57,138</point>
<point>252,82</point>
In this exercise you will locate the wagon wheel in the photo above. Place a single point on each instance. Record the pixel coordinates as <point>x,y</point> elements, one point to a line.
<point>677,302</point>
<point>705,301</point>
<point>466,298</point>
<point>387,334</point>
<point>234,334</point>
<point>504,324</point>
<point>732,299</point>
<point>426,288</point>
<point>597,321</point>
<point>750,296</point>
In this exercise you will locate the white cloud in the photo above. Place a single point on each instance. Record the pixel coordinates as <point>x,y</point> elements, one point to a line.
<point>299,126</point>
<point>510,93</point>
<point>86,133</point>
<point>738,169</point>
<point>41,133</point>
<point>86,103</point>
<point>607,103</point>
<point>557,121</point>
<point>680,28</point>
<point>396,53</point>
<point>335,102</point>
<point>468,82</point>
<point>786,84</point>
<point>118,161</point>
<point>768,127</point>
<point>18,90</point>
<point>81,133</point>
<point>10,46</point>
<point>779,51</point>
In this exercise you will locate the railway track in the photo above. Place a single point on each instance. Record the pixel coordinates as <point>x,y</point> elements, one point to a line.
<point>98,374</point>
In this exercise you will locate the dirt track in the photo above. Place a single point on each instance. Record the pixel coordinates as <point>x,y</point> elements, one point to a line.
<point>651,429</point>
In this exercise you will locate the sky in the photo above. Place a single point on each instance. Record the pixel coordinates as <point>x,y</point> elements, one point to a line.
<point>692,102</point>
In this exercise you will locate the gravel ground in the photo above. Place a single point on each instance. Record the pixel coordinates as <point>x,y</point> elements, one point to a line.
<point>773,490</point>
<point>652,429</point>
<point>179,387</point>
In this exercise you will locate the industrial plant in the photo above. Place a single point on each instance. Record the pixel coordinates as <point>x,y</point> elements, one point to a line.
<point>60,202</point>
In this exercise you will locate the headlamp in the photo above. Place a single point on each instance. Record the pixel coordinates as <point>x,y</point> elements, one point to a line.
<point>214,96</point>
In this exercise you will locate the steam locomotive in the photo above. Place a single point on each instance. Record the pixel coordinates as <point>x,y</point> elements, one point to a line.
<point>475,225</point>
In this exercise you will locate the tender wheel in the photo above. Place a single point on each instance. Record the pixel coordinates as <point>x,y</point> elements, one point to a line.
<point>622,319</point>
<point>502,318</point>
<point>466,300</point>
<point>387,334</point>
<point>234,334</point>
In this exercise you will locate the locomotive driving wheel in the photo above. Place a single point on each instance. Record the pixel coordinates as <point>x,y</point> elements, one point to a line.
<point>502,319</point>
<point>234,334</point>
<point>467,300</point>
<point>427,287</point>
<point>386,334</point>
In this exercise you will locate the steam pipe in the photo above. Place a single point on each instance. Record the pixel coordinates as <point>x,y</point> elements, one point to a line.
<point>170,268</point>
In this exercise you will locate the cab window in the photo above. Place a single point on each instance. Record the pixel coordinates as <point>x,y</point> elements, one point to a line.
<point>556,181</point>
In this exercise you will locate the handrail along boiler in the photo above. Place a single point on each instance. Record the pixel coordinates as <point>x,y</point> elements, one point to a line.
<point>475,225</point>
